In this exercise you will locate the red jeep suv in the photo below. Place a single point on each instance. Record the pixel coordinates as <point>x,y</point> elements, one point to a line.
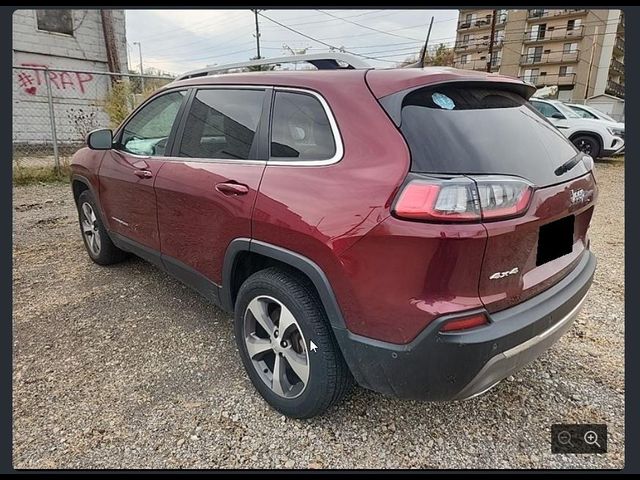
<point>422,232</point>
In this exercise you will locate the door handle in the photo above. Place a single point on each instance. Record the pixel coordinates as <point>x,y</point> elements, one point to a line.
<point>230,188</point>
<point>143,173</point>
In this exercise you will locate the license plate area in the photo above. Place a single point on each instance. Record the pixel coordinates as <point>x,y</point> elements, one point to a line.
<point>555,239</point>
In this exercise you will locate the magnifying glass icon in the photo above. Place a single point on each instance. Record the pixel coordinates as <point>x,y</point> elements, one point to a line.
<point>591,438</point>
<point>564,437</point>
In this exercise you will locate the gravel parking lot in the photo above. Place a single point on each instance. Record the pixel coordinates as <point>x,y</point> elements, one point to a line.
<point>124,367</point>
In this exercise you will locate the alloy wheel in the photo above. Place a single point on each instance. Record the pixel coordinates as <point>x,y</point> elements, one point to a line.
<point>584,147</point>
<point>90,230</point>
<point>276,346</point>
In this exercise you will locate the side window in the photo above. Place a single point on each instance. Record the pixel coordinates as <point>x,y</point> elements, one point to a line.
<point>584,113</point>
<point>300,128</point>
<point>147,132</point>
<point>545,109</point>
<point>222,124</point>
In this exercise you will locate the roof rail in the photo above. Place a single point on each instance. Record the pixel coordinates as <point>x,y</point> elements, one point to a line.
<point>322,61</point>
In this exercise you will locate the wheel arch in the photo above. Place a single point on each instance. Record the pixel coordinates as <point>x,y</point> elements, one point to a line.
<point>79,184</point>
<point>245,257</point>
<point>588,133</point>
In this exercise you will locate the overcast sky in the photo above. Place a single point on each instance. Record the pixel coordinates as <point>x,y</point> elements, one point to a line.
<point>181,40</point>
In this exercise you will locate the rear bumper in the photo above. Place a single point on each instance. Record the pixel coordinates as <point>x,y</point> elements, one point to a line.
<point>448,366</point>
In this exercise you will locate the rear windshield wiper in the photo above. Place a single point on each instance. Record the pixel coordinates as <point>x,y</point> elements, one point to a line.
<point>565,167</point>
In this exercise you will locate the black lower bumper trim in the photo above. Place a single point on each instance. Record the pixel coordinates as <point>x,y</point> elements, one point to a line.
<point>437,366</point>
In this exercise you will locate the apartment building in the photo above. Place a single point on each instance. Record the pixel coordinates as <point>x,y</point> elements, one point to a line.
<point>580,51</point>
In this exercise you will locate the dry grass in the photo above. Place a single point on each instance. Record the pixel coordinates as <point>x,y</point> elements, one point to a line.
<point>31,174</point>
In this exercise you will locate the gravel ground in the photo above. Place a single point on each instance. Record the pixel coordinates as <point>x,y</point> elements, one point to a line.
<point>124,367</point>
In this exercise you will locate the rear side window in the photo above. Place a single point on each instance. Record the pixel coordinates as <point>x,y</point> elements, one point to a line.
<point>475,130</point>
<point>545,109</point>
<point>222,124</point>
<point>300,129</point>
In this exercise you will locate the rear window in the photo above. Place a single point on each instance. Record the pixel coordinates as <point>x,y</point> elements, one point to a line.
<point>474,130</point>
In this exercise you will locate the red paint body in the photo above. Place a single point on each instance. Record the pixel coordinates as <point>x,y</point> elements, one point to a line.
<point>391,277</point>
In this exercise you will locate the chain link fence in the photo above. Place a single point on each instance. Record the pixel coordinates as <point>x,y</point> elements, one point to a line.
<point>54,109</point>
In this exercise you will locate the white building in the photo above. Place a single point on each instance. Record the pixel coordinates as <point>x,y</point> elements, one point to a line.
<point>69,42</point>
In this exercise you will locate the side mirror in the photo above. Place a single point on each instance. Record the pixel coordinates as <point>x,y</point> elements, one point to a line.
<point>100,139</point>
<point>558,115</point>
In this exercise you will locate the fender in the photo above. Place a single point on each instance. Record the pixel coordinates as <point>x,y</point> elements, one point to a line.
<point>295,260</point>
<point>84,180</point>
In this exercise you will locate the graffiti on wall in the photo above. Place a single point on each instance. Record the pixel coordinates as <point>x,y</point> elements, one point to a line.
<point>31,81</point>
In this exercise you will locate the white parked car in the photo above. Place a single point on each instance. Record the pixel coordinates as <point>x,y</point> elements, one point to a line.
<point>586,111</point>
<point>595,137</point>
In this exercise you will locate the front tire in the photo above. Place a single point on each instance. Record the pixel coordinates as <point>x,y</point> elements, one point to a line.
<point>286,344</point>
<point>94,234</point>
<point>587,144</point>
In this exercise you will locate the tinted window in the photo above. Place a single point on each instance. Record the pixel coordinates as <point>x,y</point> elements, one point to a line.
<point>222,123</point>
<point>300,128</point>
<point>459,130</point>
<point>583,113</point>
<point>545,109</point>
<point>148,130</point>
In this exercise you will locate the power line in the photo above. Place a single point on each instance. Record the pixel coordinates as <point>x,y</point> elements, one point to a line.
<point>317,40</point>
<point>208,23</point>
<point>367,27</point>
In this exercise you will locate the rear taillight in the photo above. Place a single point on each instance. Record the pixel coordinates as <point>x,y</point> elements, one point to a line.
<point>465,323</point>
<point>464,199</point>
<point>503,197</point>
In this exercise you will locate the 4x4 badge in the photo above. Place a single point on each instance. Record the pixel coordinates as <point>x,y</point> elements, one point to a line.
<point>498,275</point>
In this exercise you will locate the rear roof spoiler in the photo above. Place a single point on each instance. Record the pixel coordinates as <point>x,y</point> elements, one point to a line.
<point>393,103</point>
<point>322,61</point>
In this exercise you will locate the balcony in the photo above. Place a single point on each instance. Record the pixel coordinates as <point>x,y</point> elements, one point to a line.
<point>554,35</point>
<point>472,44</point>
<point>567,79</point>
<point>615,89</point>
<point>477,44</point>
<point>480,65</point>
<point>475,24</point>
<point>549,58</point>
<point>617,66</point>
<point>541,13</point>
<point>619,45</point>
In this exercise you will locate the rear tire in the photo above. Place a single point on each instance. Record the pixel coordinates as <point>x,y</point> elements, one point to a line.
<point>94,234</point>
<point>299,371</point>
<point>587,144</point>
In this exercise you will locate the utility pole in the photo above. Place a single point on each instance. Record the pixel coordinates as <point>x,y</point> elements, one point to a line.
<point>257,34</point>
<point>493,34</point>
<point>141,70</point>
<point>593,48</point>
<point>426,44</point>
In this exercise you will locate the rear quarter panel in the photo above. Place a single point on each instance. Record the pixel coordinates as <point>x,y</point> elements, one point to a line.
<point>321,211</point>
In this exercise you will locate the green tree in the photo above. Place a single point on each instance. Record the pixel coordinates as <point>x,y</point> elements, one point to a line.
<point>439,56</point>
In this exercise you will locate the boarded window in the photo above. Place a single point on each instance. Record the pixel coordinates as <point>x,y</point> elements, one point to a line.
<point>57,21</point>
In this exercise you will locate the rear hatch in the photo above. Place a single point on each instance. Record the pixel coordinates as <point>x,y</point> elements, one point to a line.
<point>496,160</point>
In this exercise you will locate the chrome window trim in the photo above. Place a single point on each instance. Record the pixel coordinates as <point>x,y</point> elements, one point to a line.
<point>337,138</point>
<point>272,161</point>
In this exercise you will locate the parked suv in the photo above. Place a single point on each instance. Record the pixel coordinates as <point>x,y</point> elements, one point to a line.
<point>597,138</point>
<point>422,232</point>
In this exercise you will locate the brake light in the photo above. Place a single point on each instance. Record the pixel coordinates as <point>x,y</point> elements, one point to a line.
<point>464,199</point>
<point>465,323</point>
<point>446,200</point>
